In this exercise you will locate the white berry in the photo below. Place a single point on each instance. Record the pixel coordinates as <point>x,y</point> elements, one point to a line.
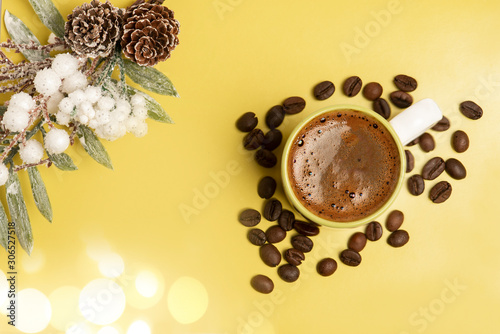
<point>93,94</point>
<point>31,152</point>
<point>47,82</point>
<point>21,102</point>
<point>4,174</point>
<point>77,81</point>
<point>138,100</point>
<point>106,103</point>
<point>16,121</point>
<point>56,141</point>
<point>141,130</point>
<point>65,65</point>
<point>63,118</point>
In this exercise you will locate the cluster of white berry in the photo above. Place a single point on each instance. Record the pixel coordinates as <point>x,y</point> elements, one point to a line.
<point>72,99</point>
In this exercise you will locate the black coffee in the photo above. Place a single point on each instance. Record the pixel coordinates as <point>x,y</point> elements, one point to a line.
<point>343,165</point>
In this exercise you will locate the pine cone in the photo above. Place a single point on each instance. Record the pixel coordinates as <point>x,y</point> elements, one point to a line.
<point>93,29</point>
<point>150,32</point>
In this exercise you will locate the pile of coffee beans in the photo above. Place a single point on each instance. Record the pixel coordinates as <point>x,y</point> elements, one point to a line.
<point>265,143</point>
<point>435,166</point>
<point>285,223</point>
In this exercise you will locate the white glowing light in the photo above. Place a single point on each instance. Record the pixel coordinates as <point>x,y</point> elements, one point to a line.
<point>65,310</point>
<point>111,265</point>
<point>102,301</point>
<point>187,300</point>
<point>108,330</point>
<point>33,311</point>
<point>79,328</point>
<point>146,284</point>
<point>139,327</point>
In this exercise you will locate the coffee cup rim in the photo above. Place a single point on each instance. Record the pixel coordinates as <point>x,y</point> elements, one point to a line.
<point>301,208</point>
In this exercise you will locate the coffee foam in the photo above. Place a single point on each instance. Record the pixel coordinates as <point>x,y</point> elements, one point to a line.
<point>345,165</point>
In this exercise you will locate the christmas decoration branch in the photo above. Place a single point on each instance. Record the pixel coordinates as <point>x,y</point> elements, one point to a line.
<point>75,86</point>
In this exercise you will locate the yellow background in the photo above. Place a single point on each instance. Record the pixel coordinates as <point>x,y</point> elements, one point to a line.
<point>248,55</point>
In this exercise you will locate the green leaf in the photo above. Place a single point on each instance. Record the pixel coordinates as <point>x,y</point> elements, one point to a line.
<point>4,227</point>
<point>40,193</point>
<point>155,110</point>
<point>93,146</point>
<point>21,34</point>
<point>150,79</point>
<point>3,109</point>
<point>62,161</point>
<point>18,212</point>
<point>49,15</point>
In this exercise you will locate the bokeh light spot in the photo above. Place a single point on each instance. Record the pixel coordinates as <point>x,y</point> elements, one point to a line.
<point>102,301</point>
<point>65,310</point>
<point>108,330</point>
<point>139,327</point>
<point>146,284</point>
<point>187,300</point>
<point>33,311</point>
<point>111,265</point>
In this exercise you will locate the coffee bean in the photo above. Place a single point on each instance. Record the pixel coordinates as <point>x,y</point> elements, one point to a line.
<point>357,242</point>
<point>286,220</point>
<point>398,238</point>
<point>352,86</point>
<point>401,99</point>
<point>266,158</point>
<point>416,185</point>
<point>324,90</point>
<point>381,107</point>
<point>272,139</point>
<point>275,117</point>
<point>433,168</point>
<point>455,169</point>
<point>249,217</point>
<point>272,209</point>
<point>288,273</point>
<point>270,255</point>
<point>247,122</point>
<point>405,83</point>
<point>394,220</point>
<point>262,284</point>
<point>372,91</point>
<point>410,161</point>
<point>302,243</point>
<point>373,231</point>
<point>266,187</point>
<point>471,110</point>
<point>294,105</point>
<point>460,141</point>
<point>275,234</point>
<point>426,142</point>
<point>257,237</point>
<point>350,257</point>
<point>442,125</point>
<point>326,267</point>
<point>413,142</point>
<point>294,256</point>
<point>440,192</point>
<point>307,229</point>
<point>253,139</point>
